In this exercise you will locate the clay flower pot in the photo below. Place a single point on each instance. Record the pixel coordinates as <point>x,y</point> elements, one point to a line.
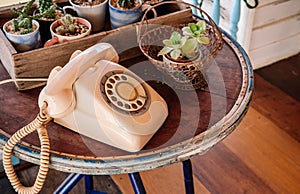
<point>57,38</point>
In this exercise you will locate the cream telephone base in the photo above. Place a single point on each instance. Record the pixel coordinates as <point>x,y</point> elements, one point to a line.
<point>96,97</point>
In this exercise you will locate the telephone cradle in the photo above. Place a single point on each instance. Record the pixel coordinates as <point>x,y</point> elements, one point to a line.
<point>96,97</point>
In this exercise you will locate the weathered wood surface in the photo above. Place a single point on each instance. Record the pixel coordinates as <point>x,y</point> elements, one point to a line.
<point>183,134</point>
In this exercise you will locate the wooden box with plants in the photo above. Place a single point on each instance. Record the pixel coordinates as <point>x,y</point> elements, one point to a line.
<point>38,62</point>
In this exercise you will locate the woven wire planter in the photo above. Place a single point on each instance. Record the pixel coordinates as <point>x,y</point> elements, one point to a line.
<point>185,76</point>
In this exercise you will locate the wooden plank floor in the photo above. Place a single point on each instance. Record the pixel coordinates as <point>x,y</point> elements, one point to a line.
<point>261,156</point>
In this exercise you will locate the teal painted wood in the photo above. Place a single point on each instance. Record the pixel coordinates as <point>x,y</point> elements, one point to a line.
<point>235,17</point>
<point>15,160</point>
<point>194,10</point>
<point>197,3</point>
<point>215,12</point>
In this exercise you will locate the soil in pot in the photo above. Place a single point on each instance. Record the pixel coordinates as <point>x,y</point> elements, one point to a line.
<point>87,2</point>
<point>78,29</point>
<point>10,29</point>
<point>181,60</point>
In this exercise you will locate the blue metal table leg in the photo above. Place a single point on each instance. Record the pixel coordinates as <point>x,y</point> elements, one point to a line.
<point>89,185</point>
<point>69,183</point>
<point>72,180</point>
<point>135,180</point>
<point>137,183</point>
<point>188,176</point>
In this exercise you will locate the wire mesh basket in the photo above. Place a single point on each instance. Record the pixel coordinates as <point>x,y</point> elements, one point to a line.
<point>188,75</point>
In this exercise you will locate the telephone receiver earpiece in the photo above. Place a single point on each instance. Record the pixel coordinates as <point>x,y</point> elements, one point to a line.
<point>58,93</point>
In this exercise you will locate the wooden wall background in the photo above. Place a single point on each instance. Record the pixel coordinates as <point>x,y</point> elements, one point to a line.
<point>269,33</point>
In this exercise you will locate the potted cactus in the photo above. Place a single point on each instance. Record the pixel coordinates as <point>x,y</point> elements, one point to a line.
<point>48,7</point>
<point>123,12</point>
<point>23,31</point>
<point>92,10</point>
<point>127,4</point>
<point>46,13</point>
<point>68,28</point>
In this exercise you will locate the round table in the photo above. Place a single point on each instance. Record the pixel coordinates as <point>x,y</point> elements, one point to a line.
<point>192,127</point>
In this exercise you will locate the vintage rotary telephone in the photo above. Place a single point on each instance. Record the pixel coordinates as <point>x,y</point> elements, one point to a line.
<point>98,98</point>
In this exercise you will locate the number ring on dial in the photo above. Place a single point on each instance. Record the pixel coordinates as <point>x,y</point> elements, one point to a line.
<point>125,92</point>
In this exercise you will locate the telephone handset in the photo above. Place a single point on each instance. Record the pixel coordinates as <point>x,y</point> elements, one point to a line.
<point>58,91</point>
<point>98,98</point>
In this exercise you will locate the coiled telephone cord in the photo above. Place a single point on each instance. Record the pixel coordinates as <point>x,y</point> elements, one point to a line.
<point>39,124</point>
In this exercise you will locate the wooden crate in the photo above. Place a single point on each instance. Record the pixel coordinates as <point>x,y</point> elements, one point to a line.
<point>38,63</point>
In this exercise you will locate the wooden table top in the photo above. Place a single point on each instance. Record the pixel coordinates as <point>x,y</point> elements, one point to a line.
<point>197,120</point>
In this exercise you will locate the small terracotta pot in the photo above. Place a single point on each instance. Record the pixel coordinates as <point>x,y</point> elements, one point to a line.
<point>56,38</point>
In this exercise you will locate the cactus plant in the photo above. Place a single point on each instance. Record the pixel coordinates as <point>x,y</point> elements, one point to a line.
<point>24,20</point>
<point>47,8</point>
<point>126,3</point>
<point>67,25</point>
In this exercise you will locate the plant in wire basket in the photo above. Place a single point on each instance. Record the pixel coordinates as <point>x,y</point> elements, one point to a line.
<point>186,46</point>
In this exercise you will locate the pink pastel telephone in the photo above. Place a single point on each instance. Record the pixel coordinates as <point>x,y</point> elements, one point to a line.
<point>95,97</point>
<point>98,98</point>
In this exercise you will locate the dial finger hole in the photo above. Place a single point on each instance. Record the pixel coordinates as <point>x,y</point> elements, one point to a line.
<point>109,86</point>
<point>120,103</point>
<point>123,77</point>
<point>127,106</point>
<point>117,77</point>
<point>140,103</point>
<point>113,98</point>
<point>110,92</point>
<point>134,106</point>
<point>112,81</point>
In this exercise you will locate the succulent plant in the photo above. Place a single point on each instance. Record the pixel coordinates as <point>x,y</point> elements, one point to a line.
<point>180,47</point>
<point>126,3</point>
<point>197,31</point>
<point>186,46</point>
<point>68,25</point>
